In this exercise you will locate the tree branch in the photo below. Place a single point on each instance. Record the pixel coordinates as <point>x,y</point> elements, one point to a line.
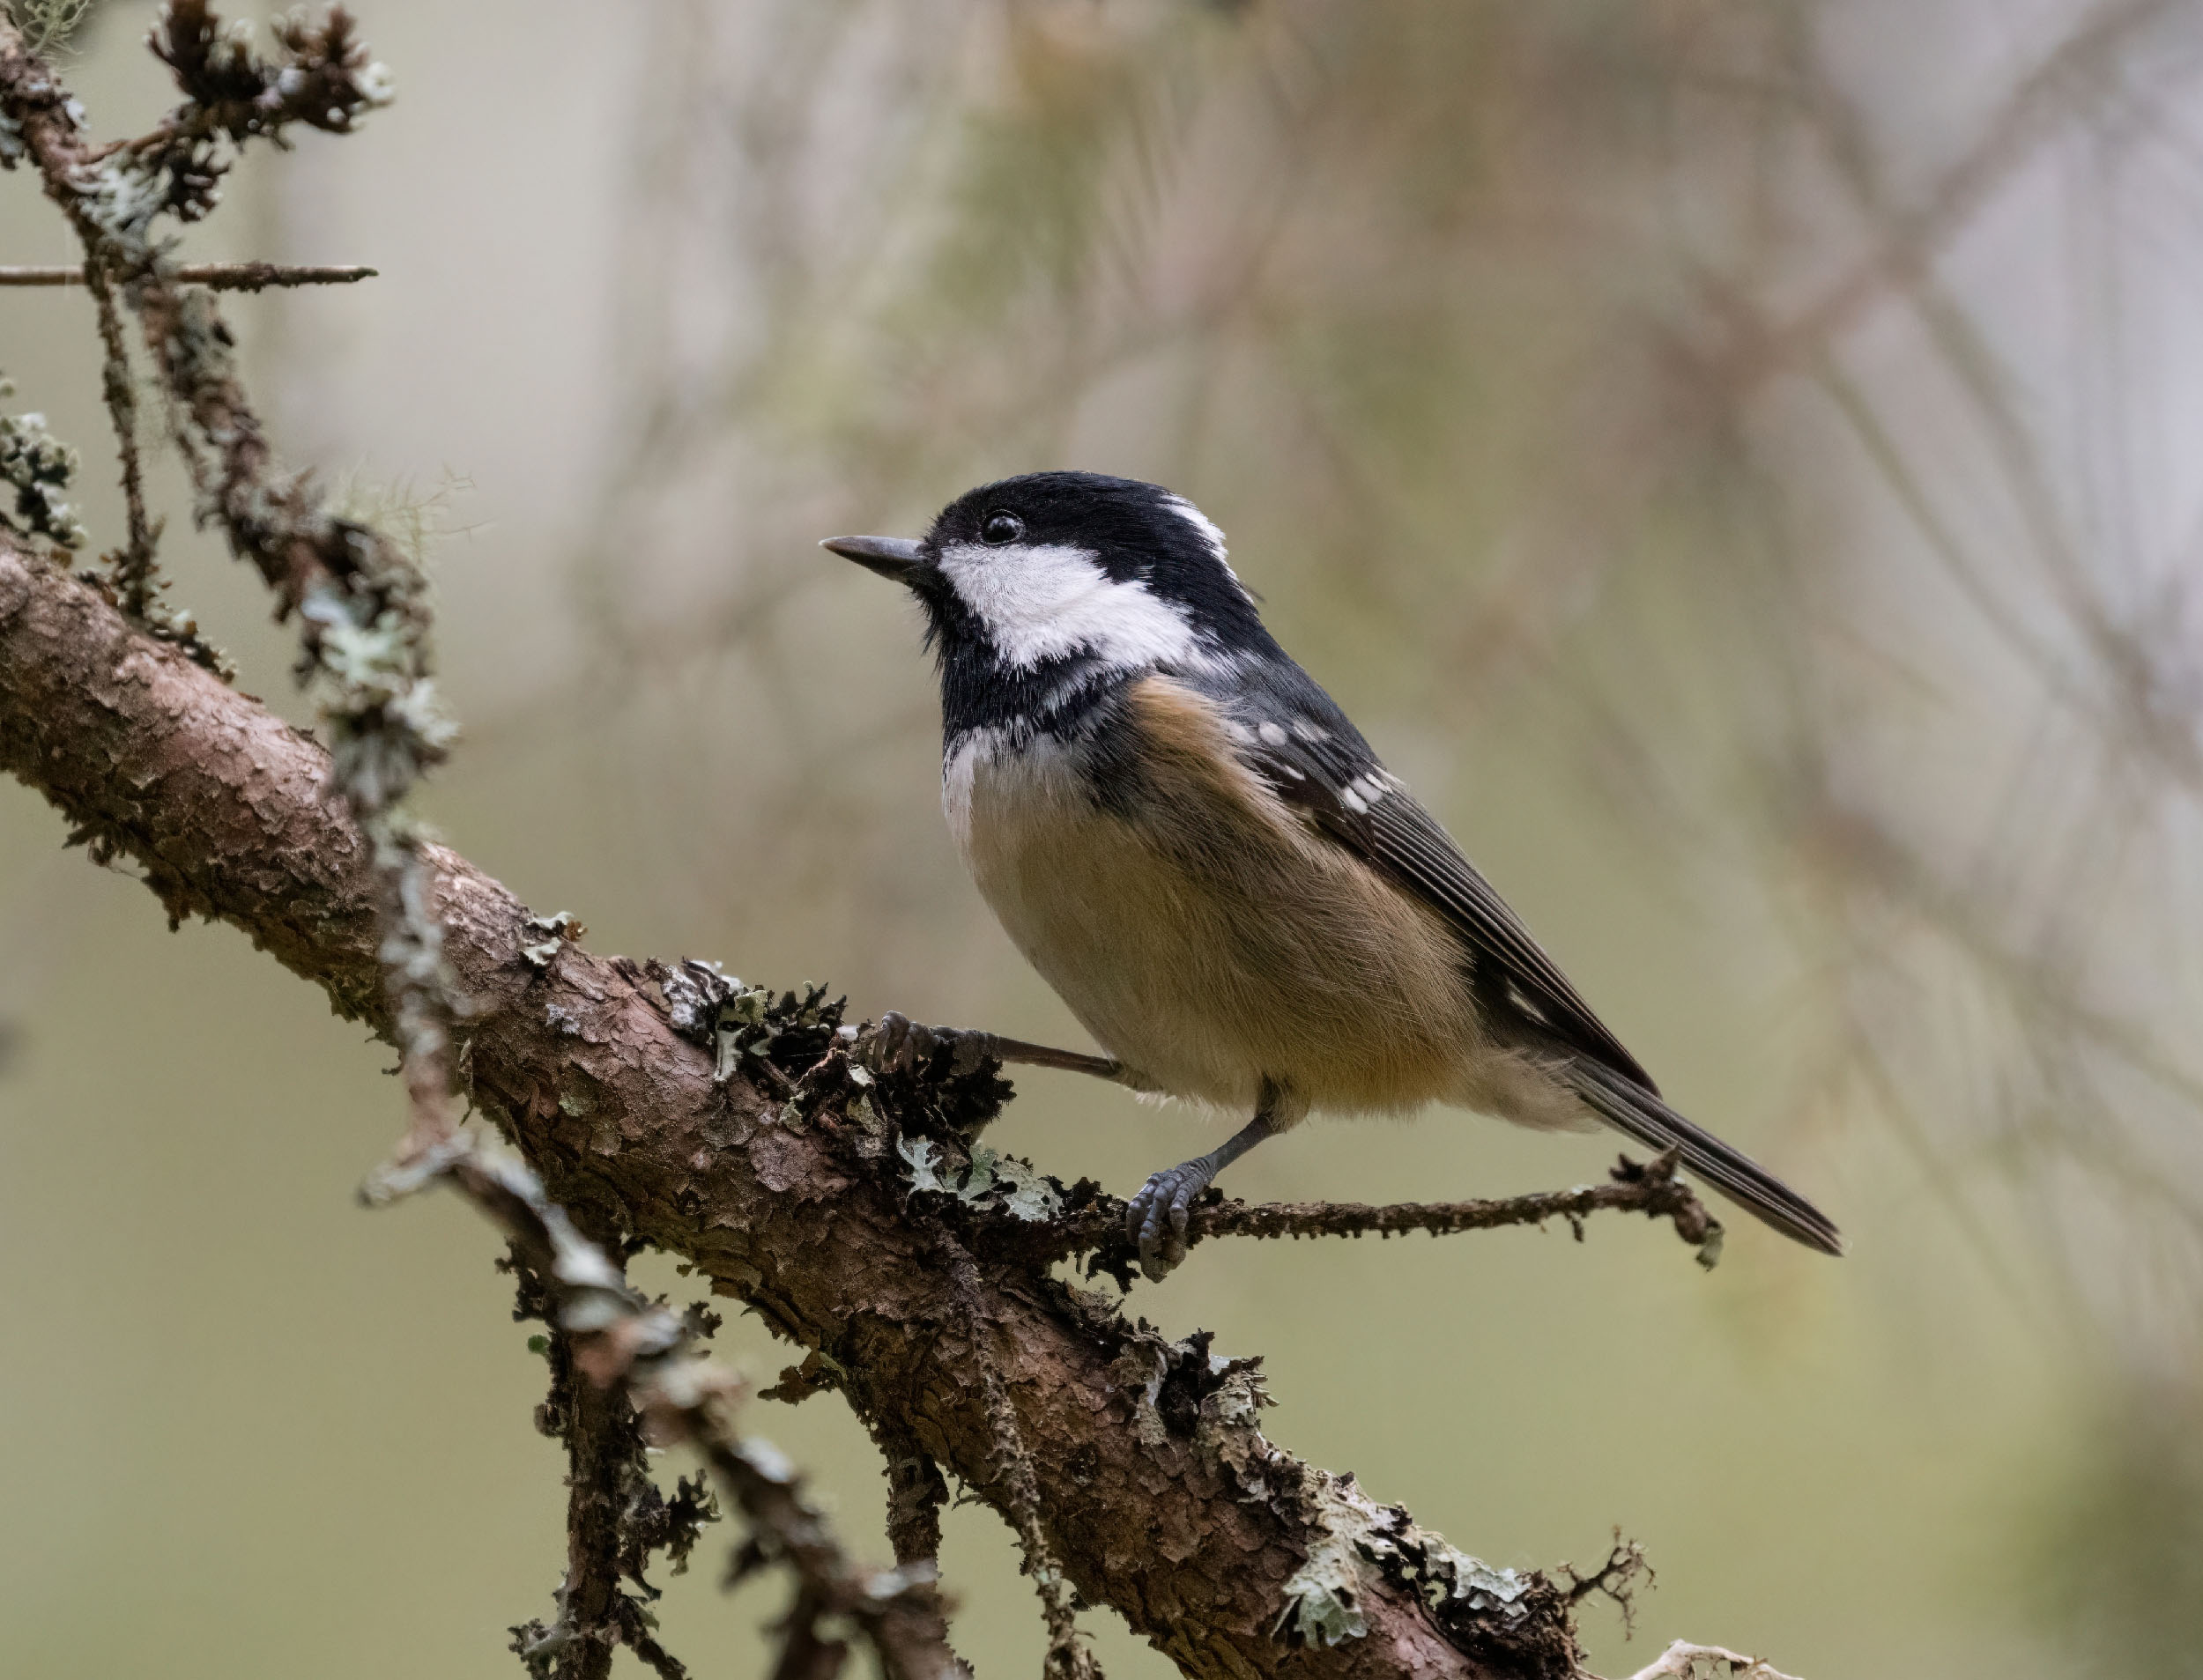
<point>615,1516</point>
<point>1156,1489</point>
<point>1068,1657</point>
<point>630,1351</point>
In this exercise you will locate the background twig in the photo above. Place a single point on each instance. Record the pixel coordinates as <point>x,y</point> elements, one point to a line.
<point>222,277</point>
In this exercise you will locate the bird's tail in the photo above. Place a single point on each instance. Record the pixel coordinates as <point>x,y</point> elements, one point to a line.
<point>1629,1107</point>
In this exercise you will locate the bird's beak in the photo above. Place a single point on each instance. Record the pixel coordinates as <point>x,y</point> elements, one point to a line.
<point>900,557</point>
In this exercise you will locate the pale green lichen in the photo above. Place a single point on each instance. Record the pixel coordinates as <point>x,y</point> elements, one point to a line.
<point>923,1156</point>
<point>47,24</point>
<point>1027,1193</point>
<point>200,353</point>
<point>416,522</point>
<point>992,1180</point>
<point>1184,1394</point>
<point>231,50</point>
<point>38,467</point>
<point>877,1127</point>
<point>122,197</point>
<point>384,720</point>
<point>1451,1573</point>
<point>1358,1535</point>
<point>1709,1250</point>
<point>1321,1598</point>
<point>749,1021</point>
<point>1227,1433</point>
<point>740,1027</point>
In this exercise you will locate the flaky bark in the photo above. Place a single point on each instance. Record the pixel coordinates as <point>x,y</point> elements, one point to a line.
<point>1155,1490</point>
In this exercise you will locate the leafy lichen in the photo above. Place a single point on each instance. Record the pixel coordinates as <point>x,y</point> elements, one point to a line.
<point>38,467</point>
<point>1184,1394</point>
<point>1321,1599</point>
<point>923,1157</point>
<point>1027,1193</point>
<point>986,1179</point>
<point>1360,1535</point>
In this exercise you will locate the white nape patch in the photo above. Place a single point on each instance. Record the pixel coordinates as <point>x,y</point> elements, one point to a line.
<point>1209,533</point>
<point>1041,600</point>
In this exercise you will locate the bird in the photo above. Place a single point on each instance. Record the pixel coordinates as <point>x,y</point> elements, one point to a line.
<point>1188,839</point>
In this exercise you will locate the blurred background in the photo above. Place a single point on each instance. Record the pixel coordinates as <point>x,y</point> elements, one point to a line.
<point>1742,462</point>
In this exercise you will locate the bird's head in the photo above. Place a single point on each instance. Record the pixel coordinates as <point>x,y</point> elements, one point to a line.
<point>1059,569</point>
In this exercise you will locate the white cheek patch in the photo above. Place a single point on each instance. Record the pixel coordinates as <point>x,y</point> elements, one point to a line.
<point>1042,601</point>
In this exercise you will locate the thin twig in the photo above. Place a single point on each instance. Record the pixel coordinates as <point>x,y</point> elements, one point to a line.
<point>1650,1187</point>
<point>641,1353</point>
<point>222,277</point>
<point>134,575</point>
<point>916,1491</point>
<point>1068,1656</point>
<point>1618,1579</point>
<point>916,1494</point>
<point>616,1517</point>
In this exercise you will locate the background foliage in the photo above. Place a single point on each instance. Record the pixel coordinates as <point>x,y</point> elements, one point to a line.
<point>1737,461</point>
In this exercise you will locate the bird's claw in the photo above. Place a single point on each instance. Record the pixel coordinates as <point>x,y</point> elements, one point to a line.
<point>1156,1217</point>
<point>901,1045</point>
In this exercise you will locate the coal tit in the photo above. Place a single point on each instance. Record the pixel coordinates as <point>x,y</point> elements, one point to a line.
<point>1197,849</point>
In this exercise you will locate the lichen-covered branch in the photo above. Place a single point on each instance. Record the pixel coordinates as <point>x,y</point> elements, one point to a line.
<point>636,1357</point>
<point>360,602</point>
<point>616,1517</point>
<point>135,579</point>
<point>1157,1490</point>
<point>917,1492</point>
<point>1093,1223</point>
<point>1068,1655</point>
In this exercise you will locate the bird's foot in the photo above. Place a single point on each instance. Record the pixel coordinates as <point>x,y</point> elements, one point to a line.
<point>1156,1217</point>
<point>898,1044</point>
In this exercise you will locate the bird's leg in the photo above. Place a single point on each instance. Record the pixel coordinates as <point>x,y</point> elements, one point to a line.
<point>899,1044</point>
<point>1156,1217</point>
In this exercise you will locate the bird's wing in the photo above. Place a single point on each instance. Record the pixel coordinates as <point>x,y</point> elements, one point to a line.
<point>1295,738</point>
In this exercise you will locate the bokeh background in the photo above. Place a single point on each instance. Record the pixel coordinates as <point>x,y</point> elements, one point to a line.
<point>1743,462</point>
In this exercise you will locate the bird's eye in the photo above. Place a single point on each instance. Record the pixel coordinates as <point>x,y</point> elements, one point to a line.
<point>1001,528</point>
